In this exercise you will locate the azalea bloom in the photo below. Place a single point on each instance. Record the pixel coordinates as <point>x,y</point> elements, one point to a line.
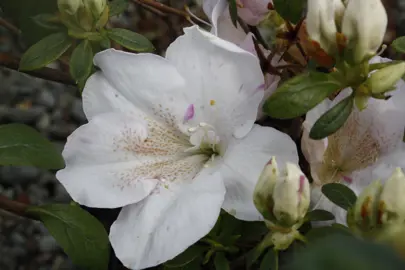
<point>222,26</point>
<point>171,140</point>
<point>369,146</point>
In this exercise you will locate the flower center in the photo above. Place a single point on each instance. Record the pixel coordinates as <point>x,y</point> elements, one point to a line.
<point>206,141</point>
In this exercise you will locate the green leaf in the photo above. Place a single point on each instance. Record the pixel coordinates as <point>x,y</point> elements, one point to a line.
<point>340,252</point>
<point>233,11</point>
<point>332,120</point>
<point>188,256</point>
<point>340,195</point>
<point>45,51</point>
<point>21,13</point>
<point>319,215</point>
<point>117,7</point>
<point>221,262</point>
<point>300,94</point>
<point>81,235</point>
<point>269,260</point>
<point>81,61</point>
<point>399,44</point>
<point>290,10</point>
<point>49,21</point>
<point>22,145</point>
<point>130,40</point>
<point>322,232</point>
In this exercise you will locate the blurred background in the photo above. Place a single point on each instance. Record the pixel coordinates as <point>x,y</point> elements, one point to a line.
<point>56,111</point>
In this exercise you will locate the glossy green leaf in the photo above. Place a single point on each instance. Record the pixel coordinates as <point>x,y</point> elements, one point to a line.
<point>332,120</point>
<point>81,61</point>
<point>81,235</point>
<point>22,145</point>
<point>291,10</point>
<point>233,11</point>
<point>269,260</point>
<point>221,262</point>
<point>300,94</point>
<point>399,44</point>
<point>117,7</point>
<point>339,194</point>
<point>319,215</point>
<point>45,51</point>
<point>130,40</point>
<point>189,255</point>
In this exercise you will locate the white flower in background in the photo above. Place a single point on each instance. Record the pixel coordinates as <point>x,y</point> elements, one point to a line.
<point>171,140</point>
<point>222,26</point>
<point>366,148</point>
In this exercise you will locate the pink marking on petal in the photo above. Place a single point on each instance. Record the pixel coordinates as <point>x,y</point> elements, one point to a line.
<point>347,179</point>
<point>189,113</point>
<point>261,87</point>
<point>302,183</point>
<point>270,161</point>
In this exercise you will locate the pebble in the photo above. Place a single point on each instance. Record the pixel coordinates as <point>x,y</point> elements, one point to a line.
<point>48,244</point>
<point>14,175</point>
<point>46,98</point>
<point>26,116</point>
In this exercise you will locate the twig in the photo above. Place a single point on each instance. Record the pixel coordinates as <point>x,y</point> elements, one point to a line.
<point>14,207</point>
<point>46,73</point>
<point>259,36</point>
<point>164,8</point>
<point>9,26</point>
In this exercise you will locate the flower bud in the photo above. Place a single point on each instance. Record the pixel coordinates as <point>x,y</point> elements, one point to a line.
<point>392,200</point>
<point>96,7</point>
<point>364,216</point>
<point>262,197</point>
<point>321,24</point>
<point>291,197</point>
<point>364,25</point>
<point>385,79</point>
<point>69,7</point>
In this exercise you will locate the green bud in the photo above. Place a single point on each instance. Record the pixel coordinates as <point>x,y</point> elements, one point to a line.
<point>384,80</point>
<point>392,200</point>
<point>283,199</point>
<point>69,7</point>
<point>365,215</point>
<point>262,196</point>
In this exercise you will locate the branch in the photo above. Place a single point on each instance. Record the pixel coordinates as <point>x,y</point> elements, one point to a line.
<point>46,73</point>
<point>164,8</point>
<point>9,26</point>
<point>14,207</point>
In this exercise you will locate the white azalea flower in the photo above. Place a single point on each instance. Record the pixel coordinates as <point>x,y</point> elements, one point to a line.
<point>222,26</point>
<point>368,147</point>
<point>171,140</point>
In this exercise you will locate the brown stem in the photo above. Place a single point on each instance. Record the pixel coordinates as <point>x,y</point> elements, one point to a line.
<point>46,73</point>
<point>164,8</point>
<point>255,31</point>
<point>9,26</point>
<point>14,207</point>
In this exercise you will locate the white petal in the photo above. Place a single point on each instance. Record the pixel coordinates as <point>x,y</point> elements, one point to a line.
<point>166,223</point>
<point>225,81</point>
<point>100,166</point>
<point>100,97</point>
<point>244,161</point>
<point>214,9</point>
<point>148,81</point>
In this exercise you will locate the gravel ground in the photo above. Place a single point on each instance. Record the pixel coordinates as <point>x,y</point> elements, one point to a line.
<point>55,110</point>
